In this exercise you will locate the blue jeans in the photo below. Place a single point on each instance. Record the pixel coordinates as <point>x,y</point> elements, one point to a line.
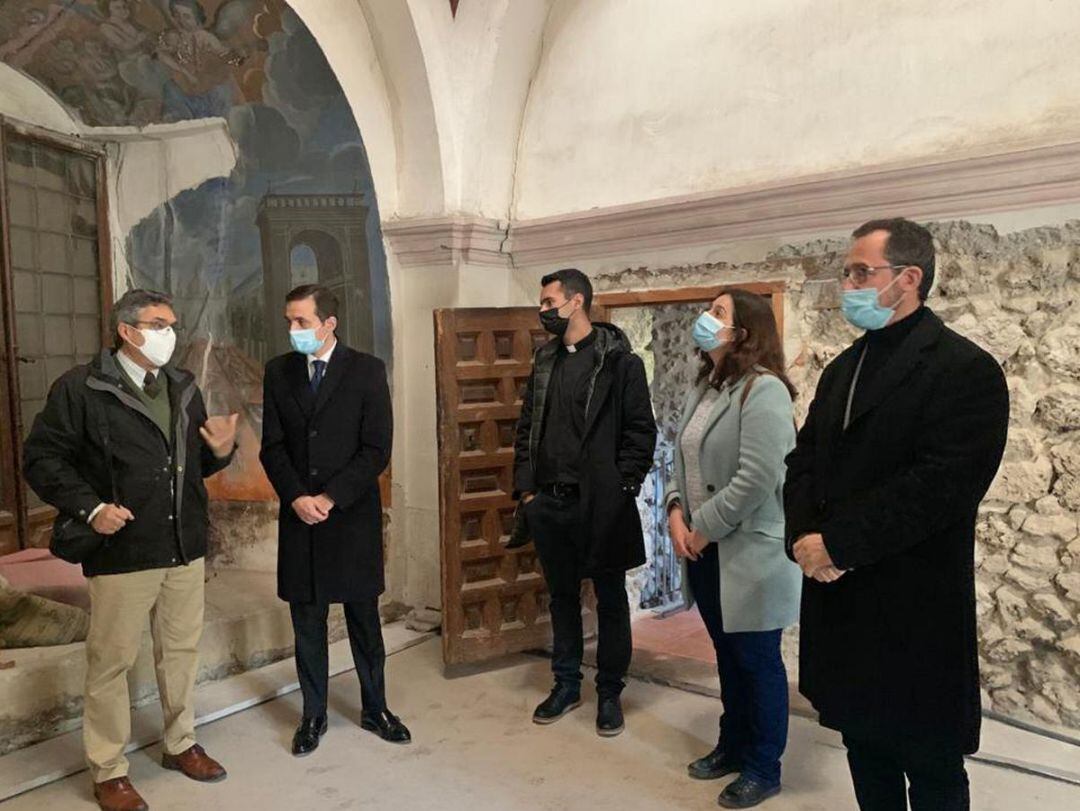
<point>753,681</point>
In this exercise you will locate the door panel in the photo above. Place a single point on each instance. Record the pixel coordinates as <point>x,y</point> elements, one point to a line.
<point>54,299</point>
<point>494,600</point>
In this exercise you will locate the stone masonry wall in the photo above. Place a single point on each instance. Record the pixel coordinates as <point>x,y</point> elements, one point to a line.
<point>1018,296</point>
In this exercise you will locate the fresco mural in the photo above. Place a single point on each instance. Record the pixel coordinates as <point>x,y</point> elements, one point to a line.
<point>298,207</point>
<point>123,62</point>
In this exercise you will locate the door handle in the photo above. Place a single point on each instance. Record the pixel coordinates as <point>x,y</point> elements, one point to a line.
<point>21,359</point>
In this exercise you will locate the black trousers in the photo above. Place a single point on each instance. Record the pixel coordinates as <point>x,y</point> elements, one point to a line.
<point>313,655</point>
<point>934,778</point>
<point>554,523</point>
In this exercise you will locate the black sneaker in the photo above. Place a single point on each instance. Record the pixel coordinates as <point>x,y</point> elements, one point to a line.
<point>563,698</point>
<point>746,792</point>
<point>714,765</point>
<point>609,717</point>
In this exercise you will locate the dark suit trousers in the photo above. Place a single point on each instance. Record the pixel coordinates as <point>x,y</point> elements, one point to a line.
<point>934,778</point>
<point>313,658</point>
<point>554,524</point>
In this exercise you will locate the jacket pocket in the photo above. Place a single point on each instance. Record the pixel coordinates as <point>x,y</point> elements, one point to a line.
<point>764,524</point>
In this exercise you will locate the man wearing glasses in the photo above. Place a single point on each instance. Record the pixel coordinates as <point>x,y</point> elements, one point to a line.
<point>123,444</point>
<point>903,438</point>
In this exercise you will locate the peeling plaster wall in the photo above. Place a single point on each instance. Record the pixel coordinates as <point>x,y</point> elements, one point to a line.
<point>147,167</point>
<point>24,99</point>
<point>637,100</point>
<point>1018,295</point>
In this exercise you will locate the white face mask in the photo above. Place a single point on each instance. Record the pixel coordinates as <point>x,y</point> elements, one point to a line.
<point>158,345</point>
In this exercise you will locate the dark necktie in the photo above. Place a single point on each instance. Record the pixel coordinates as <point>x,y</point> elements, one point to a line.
<point>150,385</point>
<point>319,367</point>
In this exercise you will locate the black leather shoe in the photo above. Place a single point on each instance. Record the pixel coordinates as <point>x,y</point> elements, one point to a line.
<point>306,739</point>
<point>609,717</point>
<point>746,792</point>
<point>714,765</point>
<point>562,699</point>
<point>387,726</point>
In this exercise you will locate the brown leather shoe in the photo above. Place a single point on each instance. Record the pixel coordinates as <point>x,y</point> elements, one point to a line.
<point>196,764</point>
<point>118,795</point>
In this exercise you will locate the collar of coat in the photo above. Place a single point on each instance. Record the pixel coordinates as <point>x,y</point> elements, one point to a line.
<point>729,392</point>
<point>297,373</point>
<point>610,343</point>
<point>609,340</point>
<point>105,375</point>
<point>908,357</point>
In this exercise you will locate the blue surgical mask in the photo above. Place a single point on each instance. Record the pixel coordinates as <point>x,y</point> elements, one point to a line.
<point>705,329</point>
<point>304,340</point>
<point>863,308</point>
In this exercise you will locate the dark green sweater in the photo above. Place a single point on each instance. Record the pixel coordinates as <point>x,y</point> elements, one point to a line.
<point>158,406</point>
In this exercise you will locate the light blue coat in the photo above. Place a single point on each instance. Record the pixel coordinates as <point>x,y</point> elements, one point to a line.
<point>742,464</point>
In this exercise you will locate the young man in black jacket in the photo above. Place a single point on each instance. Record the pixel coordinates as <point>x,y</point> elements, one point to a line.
<point>584,444</point>
<point>123,443</point>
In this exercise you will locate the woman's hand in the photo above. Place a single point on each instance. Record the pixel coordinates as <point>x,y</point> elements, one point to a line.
<point>696,544</point>
<point>680,533</point>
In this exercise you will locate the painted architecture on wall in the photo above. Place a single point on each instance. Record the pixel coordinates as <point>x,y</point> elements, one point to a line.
<point>299,206</point>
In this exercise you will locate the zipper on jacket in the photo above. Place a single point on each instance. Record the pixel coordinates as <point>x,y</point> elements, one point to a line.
<point>592,383</point>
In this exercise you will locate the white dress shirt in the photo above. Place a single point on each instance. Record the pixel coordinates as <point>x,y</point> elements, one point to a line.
<point>312,358</point>
<point>134,370</point>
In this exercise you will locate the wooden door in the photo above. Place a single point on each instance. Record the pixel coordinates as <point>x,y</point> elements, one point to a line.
<point>54,296</point>
<point>494,601</point>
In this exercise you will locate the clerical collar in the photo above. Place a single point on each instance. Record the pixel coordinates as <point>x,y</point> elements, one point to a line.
<point>584,343</point>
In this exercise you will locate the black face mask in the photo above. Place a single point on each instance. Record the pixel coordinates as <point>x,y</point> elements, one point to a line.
<point>554,323</point>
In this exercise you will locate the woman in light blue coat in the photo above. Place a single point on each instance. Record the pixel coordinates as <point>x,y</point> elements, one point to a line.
<point>726,519</point>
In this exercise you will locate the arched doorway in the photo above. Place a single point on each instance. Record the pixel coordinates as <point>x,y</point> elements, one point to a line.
<point>317,238</point>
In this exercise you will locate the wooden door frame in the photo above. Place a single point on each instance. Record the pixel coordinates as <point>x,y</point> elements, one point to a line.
<point>603,302</point>
<point>11,450</point>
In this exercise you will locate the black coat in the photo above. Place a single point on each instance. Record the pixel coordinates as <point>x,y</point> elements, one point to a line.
<point>336,443</point>
<point>616,453</point>
<point>889,650</point>
<point>65,464</point>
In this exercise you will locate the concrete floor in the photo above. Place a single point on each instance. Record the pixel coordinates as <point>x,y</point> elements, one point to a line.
<point>475,749</point>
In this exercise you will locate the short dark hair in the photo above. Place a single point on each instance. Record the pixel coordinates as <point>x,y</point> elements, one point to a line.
<point>127,307</point>
<point>908,244</point>
<point>326,303</point>
<point>573,281</point>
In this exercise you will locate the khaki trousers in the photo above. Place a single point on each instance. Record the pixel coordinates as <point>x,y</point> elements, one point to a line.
<point>119,604</point>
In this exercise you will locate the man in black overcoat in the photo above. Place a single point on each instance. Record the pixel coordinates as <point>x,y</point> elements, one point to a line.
<point>904,436</point>
<point>327,430</point>
<point>583,446</point>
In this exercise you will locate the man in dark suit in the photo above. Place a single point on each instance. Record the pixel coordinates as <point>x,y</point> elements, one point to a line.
<point>327,429</point>
<point>584,443</point>
<point>904,436</point>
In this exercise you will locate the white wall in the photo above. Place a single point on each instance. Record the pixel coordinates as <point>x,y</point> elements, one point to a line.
<point>636,100</point>
<point>439,103</point>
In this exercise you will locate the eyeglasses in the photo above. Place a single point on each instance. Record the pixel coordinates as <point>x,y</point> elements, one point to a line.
<point>860,273</point>
<point>160,326</point>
